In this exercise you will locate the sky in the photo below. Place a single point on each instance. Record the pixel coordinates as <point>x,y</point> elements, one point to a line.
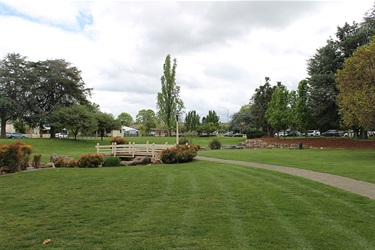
<point>224,50</point>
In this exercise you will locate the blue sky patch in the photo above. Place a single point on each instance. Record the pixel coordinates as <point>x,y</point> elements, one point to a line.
<point>81,21</point>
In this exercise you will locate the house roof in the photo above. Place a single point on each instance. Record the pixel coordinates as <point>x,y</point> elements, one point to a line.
<point>125,128</point>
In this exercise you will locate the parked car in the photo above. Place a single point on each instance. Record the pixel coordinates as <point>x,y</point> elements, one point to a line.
<point>15,135</point>
<point>281,134</point>
<point>313,133</point>
<point>61,135</point>
<point>294,133</point>
<point>229,134</point>
<point>331,132</point>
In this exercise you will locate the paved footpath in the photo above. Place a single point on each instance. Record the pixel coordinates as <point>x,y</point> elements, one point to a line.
<point>355,186</point>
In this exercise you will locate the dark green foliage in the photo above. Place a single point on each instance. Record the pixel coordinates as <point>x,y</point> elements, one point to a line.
<point>192,121</point>
<point>169,103</point>
<point>14,88</point>
<point>106,122</point>
<point>259,105</point>
<point>90,161</point>
<point>255,134</point>
<point>214,144</point>
<point>111,161</point>
<point>242,121</point>
<point>178,154</point>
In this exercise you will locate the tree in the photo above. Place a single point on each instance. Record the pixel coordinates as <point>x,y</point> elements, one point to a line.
<point>125,119</point>
<point>145,115</point>
<point>292,110</point>
<point>322,68</point>
<point>303,111</point>
<point>106,122</point>
<point>148,119</point>
<point>168,100</point>
<point>192,121</point>
<point>277,113</point>
<point>55,83</point>
<point>75,118</point>
<point>213,118</point>
<point>14,89</point>
<point>259,105</point>
<point>242,121</point>
<point>356,83</point>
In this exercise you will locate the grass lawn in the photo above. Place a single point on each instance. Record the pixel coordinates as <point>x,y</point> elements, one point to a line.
<point>197,205</point>
<point>356,164</point>
<point>76,148</point>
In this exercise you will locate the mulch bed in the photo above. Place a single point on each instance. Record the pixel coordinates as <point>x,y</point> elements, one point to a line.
<point>333,143</point>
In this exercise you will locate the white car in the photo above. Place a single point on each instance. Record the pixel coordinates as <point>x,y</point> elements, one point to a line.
<point>281,134</point>
<point>62,135</point>
<point>313,133</point>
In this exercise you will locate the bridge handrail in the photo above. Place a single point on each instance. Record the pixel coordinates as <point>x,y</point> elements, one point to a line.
<point>131,149</point>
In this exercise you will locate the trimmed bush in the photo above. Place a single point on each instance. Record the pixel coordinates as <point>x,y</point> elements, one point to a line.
<point>119,140</point>
<point>90,161</point>
<point>111,161</point>
<point>178,154</point>
<point>15,156</point>
<point>214,144</point>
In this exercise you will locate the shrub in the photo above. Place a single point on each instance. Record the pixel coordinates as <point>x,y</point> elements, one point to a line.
<point>90,161</point>
<point>214,144</point>
<point>178,154</point>
<point>15,156</point>
<point>71,163</point>
<point>112,161</point>
<point>119,140</point>
<point>37,161</point>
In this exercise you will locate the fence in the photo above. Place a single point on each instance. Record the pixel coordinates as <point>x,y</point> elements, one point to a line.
<point>132,149</point>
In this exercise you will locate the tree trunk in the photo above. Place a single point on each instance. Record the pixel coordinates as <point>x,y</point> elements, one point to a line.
<point>3,127</point>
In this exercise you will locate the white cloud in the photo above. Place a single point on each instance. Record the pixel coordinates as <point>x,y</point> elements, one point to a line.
<point>223,49</point>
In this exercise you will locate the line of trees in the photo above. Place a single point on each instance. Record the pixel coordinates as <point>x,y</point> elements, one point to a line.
<point>48,93</point>
<point>338,93</point>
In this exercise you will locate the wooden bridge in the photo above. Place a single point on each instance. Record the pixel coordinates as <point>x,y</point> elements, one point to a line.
<point>132,150</point>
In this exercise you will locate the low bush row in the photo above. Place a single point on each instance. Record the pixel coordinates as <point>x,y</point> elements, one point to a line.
<point>179,154</point>
<point>85,161</point>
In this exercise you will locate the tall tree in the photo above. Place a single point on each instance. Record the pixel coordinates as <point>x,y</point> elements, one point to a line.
<point>75,118</point>
<point>213,117</point>
<point>145,115</point>
<point>242,121</point>
<point>169,103</point>
<point>322,68</point>
<point>192,121</point>
<point>356,82</point>
<point>125,119</point>
<point>277,113</point>
<point>259,105</point>
<point>148,119</point>
<point>292,110</point>
<point>106,123</point>
<point>55,83</point>
<point>303,110</point>
<point>14,88</point>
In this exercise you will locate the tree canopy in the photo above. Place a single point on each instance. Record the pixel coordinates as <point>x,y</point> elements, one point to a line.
<point>356,82</point>
<point>169,103</point>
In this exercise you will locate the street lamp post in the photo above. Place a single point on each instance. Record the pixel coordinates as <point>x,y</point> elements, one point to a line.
<point>177,142</point>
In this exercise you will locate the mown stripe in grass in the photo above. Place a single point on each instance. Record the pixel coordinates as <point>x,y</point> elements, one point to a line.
<point>282,213</point>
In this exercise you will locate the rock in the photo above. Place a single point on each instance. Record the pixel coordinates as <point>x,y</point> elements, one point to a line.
<point>142,160</point>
